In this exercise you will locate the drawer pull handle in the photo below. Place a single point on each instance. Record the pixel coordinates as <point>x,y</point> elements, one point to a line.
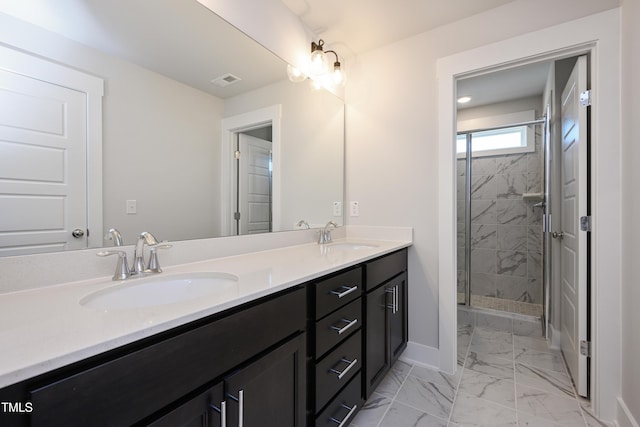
<point>349,324</point>
<point>223,412</point>
<point>344,421</point>
<point>347,291</point>
<point>342,373</point>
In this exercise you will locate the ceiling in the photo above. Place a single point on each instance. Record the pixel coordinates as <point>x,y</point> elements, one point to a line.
<point>513,83</point>
<point>356,26</point>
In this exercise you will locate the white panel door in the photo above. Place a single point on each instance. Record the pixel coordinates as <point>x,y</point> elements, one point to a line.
<point>43,196</point>
<point>254,185</point>
<point>574,244</point>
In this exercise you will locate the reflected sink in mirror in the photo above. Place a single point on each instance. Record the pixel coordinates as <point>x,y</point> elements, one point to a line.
<point>160,290</point>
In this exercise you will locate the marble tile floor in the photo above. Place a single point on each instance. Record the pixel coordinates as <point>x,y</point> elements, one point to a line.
<point>504,378</point>
<point>502,304</point>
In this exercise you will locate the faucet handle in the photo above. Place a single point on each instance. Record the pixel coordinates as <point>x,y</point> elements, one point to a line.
<point>122,266</point>
<point>154,264</point>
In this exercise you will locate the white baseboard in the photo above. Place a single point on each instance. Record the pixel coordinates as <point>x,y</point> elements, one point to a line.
<point>555,340</point>
<point>422,355</point>
<point>624,416</point>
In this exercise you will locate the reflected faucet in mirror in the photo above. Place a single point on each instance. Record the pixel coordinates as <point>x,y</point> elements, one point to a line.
<point>114,234</point>
<point>303,223</point>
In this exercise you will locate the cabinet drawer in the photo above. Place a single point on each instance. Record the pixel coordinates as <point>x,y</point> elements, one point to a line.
<point>344,407</point>
<point>337,326</point>
<point>337,368</point>
<point>139,383</point>
<point>383,269</point>
<point>337,290</point>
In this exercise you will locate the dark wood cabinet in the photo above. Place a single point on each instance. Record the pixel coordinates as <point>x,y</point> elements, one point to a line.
<point>203,410</point>
<point>336,323</point>
<point>269,392</point>
<point>386,328</point>
<point>165,375</point>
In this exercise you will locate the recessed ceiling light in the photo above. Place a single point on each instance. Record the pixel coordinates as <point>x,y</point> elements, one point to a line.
<point>464,99</point>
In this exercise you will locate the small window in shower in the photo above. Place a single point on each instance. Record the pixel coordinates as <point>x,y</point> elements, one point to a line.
<point>497,141</point>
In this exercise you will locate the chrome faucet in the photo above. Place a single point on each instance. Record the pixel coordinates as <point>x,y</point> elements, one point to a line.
<point>114,234</point>
<point>122,266</point>
<point>325,233</point>
<point>304,223</point>
<point>138,254</point>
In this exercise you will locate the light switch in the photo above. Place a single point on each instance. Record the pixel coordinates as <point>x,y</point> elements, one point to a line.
<point>132,207</point>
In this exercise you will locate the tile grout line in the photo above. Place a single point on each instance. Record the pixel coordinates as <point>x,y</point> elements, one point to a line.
<point>515,385</point>
<point>393,399</point>
<point>464,362</point>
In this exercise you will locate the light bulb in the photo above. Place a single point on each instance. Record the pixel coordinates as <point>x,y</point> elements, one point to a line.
<point>337,76</point>
<point>319,63</point>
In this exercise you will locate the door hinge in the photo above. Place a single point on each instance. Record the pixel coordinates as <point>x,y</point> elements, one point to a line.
<point>236,216</point>
<point>585,223</point>
<point>236,154</point>
<point>585,348</point>
<point>585,98</point>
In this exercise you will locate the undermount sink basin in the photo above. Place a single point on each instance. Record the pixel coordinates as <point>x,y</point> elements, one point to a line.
<point>159,290</point>
<point>347,246</point>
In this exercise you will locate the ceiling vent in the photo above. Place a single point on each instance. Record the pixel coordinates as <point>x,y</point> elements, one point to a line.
<point>226,80</point>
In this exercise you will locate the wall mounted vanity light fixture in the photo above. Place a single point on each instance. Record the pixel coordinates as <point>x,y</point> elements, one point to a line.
<point>319,69</point>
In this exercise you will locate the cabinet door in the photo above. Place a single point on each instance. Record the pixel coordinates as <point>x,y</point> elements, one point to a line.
<point>203,410</point>
<point>398,324</point>
<point>271,390</point>
<point>377,360</point>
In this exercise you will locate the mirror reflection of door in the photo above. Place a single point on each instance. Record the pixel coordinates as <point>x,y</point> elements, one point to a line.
<point>43,151</point>
<point>253,171</point>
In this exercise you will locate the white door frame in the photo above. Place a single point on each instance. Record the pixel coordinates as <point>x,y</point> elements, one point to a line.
<point>598,35</point>
<point>93,87</point>
<point>243,122</point>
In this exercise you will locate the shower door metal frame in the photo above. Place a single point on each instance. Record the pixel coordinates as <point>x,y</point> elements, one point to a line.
<point>467,213</point>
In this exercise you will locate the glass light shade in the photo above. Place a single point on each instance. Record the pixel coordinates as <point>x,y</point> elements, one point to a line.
<point>319,63</point>
<point>337,75</point>
<point>295,74</point>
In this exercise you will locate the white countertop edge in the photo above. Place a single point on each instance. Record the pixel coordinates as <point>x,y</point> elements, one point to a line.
<point>14,369</point>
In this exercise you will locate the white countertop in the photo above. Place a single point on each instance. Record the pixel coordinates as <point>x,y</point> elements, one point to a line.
<point>47,328</point>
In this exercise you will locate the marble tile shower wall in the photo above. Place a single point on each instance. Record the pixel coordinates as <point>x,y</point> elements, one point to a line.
<point>506,231</point>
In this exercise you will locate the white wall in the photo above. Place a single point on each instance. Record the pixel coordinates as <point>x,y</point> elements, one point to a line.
<point>630,397</point>
<point>392,140</point>
<point>154,129</point>
<point>312,136</point>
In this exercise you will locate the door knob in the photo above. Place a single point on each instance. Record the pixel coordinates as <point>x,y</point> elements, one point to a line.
<point>77,233</point>
<point>557,235</point>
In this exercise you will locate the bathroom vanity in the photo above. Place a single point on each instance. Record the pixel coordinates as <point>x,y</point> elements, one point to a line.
<point>305,351</point>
